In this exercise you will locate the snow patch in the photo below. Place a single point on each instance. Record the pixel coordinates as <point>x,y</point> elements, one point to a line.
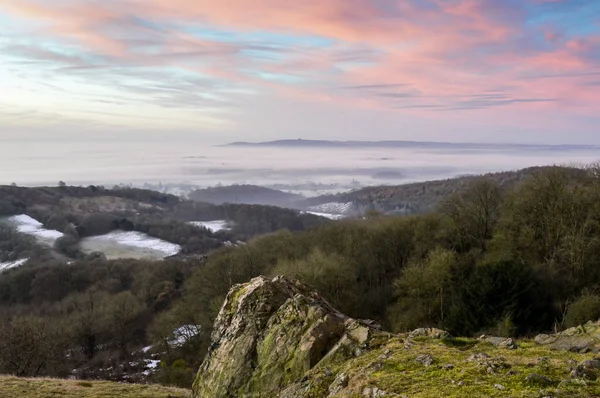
<point>328,215</point>
<point>152,363</point>
<point>151,366</point>
<point>31,226</point>
<point>12,264</point>
<point>214,226</point>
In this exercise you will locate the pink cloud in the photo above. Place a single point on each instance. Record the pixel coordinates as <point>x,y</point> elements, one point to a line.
<point>451,54</point>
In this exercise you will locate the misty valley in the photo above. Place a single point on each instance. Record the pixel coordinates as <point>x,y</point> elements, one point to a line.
<point>131,283</point>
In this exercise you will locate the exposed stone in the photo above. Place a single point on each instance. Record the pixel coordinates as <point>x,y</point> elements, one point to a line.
<point>340,382</point>
<point>425,359</point>
<point>271,333</point>
<point>429,332</point>
<point>479,358</point>
<point>586,370</point>
<point>386,354</point>
<point>500,341</point>
<point>277,338</point>
<point>373,392</point>
<point>581,343</point>
<point>544,339</point>
<point>408,344</point>
<point>584,338</point>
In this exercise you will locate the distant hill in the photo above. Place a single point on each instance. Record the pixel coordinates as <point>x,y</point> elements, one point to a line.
<point>301,143</point>
<point>248,194</point>
<point>421,197</point>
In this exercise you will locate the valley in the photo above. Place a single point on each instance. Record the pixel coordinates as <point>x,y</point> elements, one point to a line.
<point>133,284</point>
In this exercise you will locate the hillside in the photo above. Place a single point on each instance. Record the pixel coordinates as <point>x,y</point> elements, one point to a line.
<point>420,197</point>
<point>136,215</point>
<point>249,194</point>
<point>278,338</point>
<point>13,387</point>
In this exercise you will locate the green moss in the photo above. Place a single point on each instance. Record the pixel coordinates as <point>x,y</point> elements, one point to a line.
<point>400,373</point>
<point>235,298</point>
<point>459,342</point>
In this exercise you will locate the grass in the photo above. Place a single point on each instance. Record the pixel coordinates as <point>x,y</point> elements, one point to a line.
<point>14,387</point>
<point>393,368</point>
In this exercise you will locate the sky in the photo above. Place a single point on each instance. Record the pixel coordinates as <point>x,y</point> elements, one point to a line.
<point>216,71</point>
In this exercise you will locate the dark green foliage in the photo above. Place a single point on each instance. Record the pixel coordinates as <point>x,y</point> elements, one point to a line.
<point>585,308</point>
<point>178,374</point>
<point>420,197</point>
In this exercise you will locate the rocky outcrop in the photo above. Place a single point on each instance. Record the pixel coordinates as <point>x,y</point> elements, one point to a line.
<point>269,334</point>
<point>277,338</point>
<point>584,338</point>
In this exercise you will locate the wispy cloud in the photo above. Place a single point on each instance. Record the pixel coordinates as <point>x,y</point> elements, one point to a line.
<point>222,62</point>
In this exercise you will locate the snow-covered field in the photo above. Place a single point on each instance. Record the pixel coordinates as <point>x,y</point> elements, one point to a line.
<point>117,244</point>
<point>31,226</point>
<point>12,264</point>
<point>331,208</point>
<point>122,244</point>
<point>214,226</point>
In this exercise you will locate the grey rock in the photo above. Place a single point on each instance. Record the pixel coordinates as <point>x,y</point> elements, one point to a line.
<point>502,342</point>
<point>373,392</point>
<point>544,339</point>
<point>262,325</point>
<point>340,382</point>
<point>425,359</point>
<point>479,358</point>
<point>433,333</point>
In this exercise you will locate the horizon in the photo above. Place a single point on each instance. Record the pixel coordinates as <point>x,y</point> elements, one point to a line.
<point>456,143</point>
<point>200,72</point>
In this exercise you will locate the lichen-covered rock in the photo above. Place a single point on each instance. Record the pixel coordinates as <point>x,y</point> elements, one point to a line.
<point>269,334</point>
<point>500,342</point>
<point>433,333</point>
<point>584,338</point>
<point>277,338</point>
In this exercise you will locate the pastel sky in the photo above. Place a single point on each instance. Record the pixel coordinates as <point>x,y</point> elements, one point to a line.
<point>216,71</point>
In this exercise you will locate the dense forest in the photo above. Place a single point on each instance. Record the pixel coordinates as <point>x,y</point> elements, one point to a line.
<point>249,194</point>
<point>503,260</point>
<point>415,198</point>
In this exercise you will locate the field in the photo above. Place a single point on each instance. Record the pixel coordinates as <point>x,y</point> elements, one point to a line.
<point>13,387</point>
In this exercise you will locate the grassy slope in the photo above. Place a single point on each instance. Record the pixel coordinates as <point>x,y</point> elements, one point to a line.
<point>13,387</point>
<point>393,368</point>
